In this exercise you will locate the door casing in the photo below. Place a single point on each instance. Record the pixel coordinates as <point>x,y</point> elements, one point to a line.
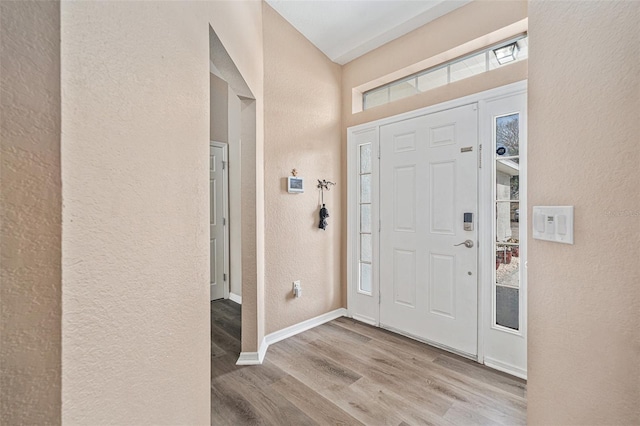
<point>358,303</point>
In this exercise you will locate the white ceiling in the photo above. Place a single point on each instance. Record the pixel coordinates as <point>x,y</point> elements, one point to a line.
<point>347,29</point>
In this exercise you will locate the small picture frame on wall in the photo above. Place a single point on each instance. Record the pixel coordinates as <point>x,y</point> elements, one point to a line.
<point>295,184</point>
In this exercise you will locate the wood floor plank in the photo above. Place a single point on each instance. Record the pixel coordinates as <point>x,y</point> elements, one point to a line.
<point>229,407</point>
<point>396,341</point>
<point>263,375</point>
<point>460,415</point>
<point>272,407</point>
<point>228,324</point>
<point>314,405</point>
<point>224,340</point>
<point>483,394</point>
<point>456,382</point>
<point>358,405</point>
<point>415,414</point>
<point>384,366</point>
<point>433,398</point>
<point>490,403</point>
<point>476,395</point>
<point>308,367</point>
<point>216,350</point>
<point>224,364</point>
<point>345,372</point>
<point>341,334</point>
<point>502,381</point>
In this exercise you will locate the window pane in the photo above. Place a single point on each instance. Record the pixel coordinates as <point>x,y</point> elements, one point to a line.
<point>365,247</point>
<point>403,89</point>
<point>507,180</point>
<point>365,277</point>
<point>365,218</point>
<point>508,265</point>
<point>365,158</point>
<point>376,97</point>
<point>433,79</point>
<point>514,189</point>
<point>469,67</point>
<point>507,307</point>
<point>365,188</point>
<point>507,222</point>
<point>508,135</point>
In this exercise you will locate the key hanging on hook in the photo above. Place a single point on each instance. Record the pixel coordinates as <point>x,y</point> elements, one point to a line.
<point>324,212</point>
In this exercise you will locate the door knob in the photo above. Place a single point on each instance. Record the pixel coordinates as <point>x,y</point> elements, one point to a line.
<point>467,244</point>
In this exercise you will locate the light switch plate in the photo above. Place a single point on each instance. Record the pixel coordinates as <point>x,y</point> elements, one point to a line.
<point>553,223</point>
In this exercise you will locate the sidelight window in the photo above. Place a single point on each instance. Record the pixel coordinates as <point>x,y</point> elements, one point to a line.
<point>364,205</point>
<point>506,289</point>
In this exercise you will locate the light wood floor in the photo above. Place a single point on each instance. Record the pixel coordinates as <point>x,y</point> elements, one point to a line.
<point>348,373</point>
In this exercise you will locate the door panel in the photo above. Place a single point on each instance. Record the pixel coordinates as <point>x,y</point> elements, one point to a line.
<point>442,203</point>
<point>216,224</point>
<point>404,276</point>
<point>442,290</point>
<point>404,191</point>
<point>427,182</point>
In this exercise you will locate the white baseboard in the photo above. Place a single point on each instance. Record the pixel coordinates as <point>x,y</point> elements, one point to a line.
<point>505,367</point>
<point>254,358</point>
<point>304,326</point>
<point>235,298</point>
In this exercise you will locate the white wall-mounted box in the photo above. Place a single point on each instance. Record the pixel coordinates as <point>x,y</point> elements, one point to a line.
<point>295,184</point>
<point>553,223</point>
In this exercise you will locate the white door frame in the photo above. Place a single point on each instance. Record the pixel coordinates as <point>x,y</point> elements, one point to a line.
<point>225,209</point>
<point>484,203</point>
<point>495,336</point>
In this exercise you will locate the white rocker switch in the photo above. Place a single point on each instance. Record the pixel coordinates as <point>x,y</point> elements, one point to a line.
<point>538,223</point>
<point>561,224</point>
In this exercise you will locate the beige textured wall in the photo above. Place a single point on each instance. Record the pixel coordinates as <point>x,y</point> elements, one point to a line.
<point>30,210</point>
<point>219,104</point>
<point>302,130</point>
<point>252,286</point>
<point>135,125</point>
<point>584,150</point>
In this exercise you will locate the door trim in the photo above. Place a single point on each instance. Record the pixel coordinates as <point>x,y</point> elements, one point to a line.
<point>484,202</point>
<point>225,209</point>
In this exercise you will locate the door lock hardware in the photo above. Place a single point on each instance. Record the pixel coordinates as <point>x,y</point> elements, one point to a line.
<point>467,244</point>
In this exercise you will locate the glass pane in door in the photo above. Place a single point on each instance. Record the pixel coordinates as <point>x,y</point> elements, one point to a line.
<point>365,278</point>
<point>508,307</point>
<point>508,135</point>
<point>365,158</point>
<point>508,265</point>
<point>507,222</point>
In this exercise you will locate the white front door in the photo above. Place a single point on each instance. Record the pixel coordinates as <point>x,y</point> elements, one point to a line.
<point>428,182</point>
<point>217,221</point>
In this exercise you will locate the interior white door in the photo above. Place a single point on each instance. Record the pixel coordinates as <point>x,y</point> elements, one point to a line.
<point>216,225</point>
<point>428,181</point>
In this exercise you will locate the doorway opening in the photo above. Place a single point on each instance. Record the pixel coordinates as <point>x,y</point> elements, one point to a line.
<point>232,219</point>
<point>436,215</point>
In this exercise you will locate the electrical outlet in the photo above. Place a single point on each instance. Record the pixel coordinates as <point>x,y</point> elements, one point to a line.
<point>297,289</point>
